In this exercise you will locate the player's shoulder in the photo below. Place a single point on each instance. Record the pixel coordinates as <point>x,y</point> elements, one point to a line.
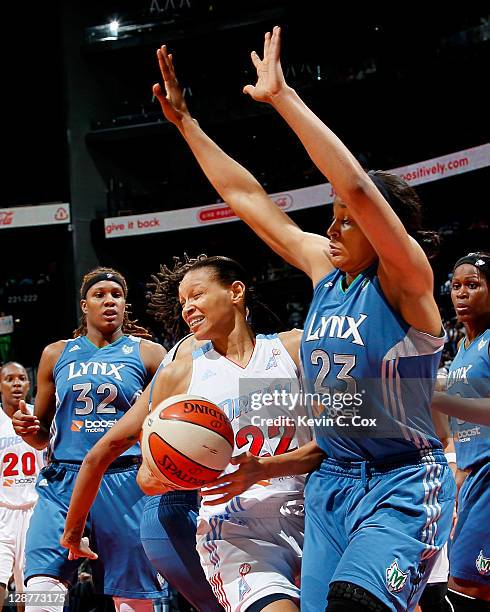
<point>52,352</point>
<point>291,338</point>
<point>176,377</point>
<point>153,347</point>
<point>187,347</point>
<point>152,355</point>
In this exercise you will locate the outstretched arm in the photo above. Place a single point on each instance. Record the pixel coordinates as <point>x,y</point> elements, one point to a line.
<point>397,252</point>
<point>34,429</point>
<point>238,188</point>
<point>118,439</point>
<point>254,469</point>
<point>473,410</point>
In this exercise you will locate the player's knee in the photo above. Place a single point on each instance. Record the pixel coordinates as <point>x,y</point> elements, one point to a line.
<point>345,597</point>
<point>465,603</point>
<point>56,593</point>
<point>124,604</point>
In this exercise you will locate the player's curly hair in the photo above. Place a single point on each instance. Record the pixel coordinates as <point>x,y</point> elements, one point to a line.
<point>129,326</point>
<point>163,302</point>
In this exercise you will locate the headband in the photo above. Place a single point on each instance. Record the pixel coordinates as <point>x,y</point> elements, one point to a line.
<point>102,276</point>
<point>479,260</point>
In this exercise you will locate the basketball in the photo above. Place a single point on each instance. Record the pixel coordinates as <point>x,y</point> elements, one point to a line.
<point>187,441</point>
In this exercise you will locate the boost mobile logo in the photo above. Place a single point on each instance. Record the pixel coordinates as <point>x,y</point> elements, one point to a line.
<point>93,426</point>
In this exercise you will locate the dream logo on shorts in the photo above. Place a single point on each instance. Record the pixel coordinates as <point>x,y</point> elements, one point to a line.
<point>395,578</point>
<point>243,586</point>
<point>483,564</point>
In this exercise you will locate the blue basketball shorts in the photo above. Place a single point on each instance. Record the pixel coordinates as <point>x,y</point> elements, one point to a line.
<point>168,535</point>
<point>113,528</point>
<point>376,525</point>
<point>470,550</point>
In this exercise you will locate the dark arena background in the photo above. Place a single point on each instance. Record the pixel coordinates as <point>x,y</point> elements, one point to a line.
<point>81,129</point>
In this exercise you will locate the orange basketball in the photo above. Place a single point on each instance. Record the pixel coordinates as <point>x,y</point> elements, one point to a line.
<point>187,441</point>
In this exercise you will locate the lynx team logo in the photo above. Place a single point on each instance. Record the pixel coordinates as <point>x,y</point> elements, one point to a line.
<point>127,349</point>
<point>395,578</point>
<point>483,564</point>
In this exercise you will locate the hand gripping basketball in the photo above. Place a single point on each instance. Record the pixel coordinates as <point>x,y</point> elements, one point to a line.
<point>187,441</point>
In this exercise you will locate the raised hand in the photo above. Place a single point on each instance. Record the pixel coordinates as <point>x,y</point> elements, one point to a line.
<point>270,78</point>
<point>23,422</point>
<point>172,100</point>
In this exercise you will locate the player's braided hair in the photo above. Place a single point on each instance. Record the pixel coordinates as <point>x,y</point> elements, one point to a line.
<point>128,326</point>
<point>163,302</point>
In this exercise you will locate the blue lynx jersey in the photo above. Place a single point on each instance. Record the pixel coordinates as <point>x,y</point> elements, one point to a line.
<point>469,377</point>
<point>95,387</point>
<point>357,349</point>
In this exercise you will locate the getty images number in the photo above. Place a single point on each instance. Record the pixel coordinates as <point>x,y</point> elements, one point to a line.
<point>347,362</point>
<point>108,393</point>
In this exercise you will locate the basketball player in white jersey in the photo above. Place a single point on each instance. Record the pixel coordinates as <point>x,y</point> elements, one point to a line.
<point>19,468</point>
<point>250,548</point>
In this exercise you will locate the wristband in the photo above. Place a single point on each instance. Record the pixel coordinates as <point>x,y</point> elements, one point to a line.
<point>450,457</point>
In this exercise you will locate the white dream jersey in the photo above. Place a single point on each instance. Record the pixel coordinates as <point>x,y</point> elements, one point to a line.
<point>20,465</point>
<point>259,428</point>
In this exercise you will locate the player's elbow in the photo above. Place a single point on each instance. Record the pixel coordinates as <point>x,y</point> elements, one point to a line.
<point>143,485</point>
<point>97,461</point>
<point>146,484</point>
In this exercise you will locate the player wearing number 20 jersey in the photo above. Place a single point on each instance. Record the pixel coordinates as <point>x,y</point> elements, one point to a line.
<point>19,468</point>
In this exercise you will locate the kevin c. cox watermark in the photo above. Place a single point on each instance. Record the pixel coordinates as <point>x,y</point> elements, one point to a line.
<point>328,410</point>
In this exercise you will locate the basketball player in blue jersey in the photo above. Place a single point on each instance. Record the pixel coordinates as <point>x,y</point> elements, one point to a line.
<point>251,548</point>
<point>468,383</point>
<point>85,386</point>
<point>379,509</point>
<point>168,523</point>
